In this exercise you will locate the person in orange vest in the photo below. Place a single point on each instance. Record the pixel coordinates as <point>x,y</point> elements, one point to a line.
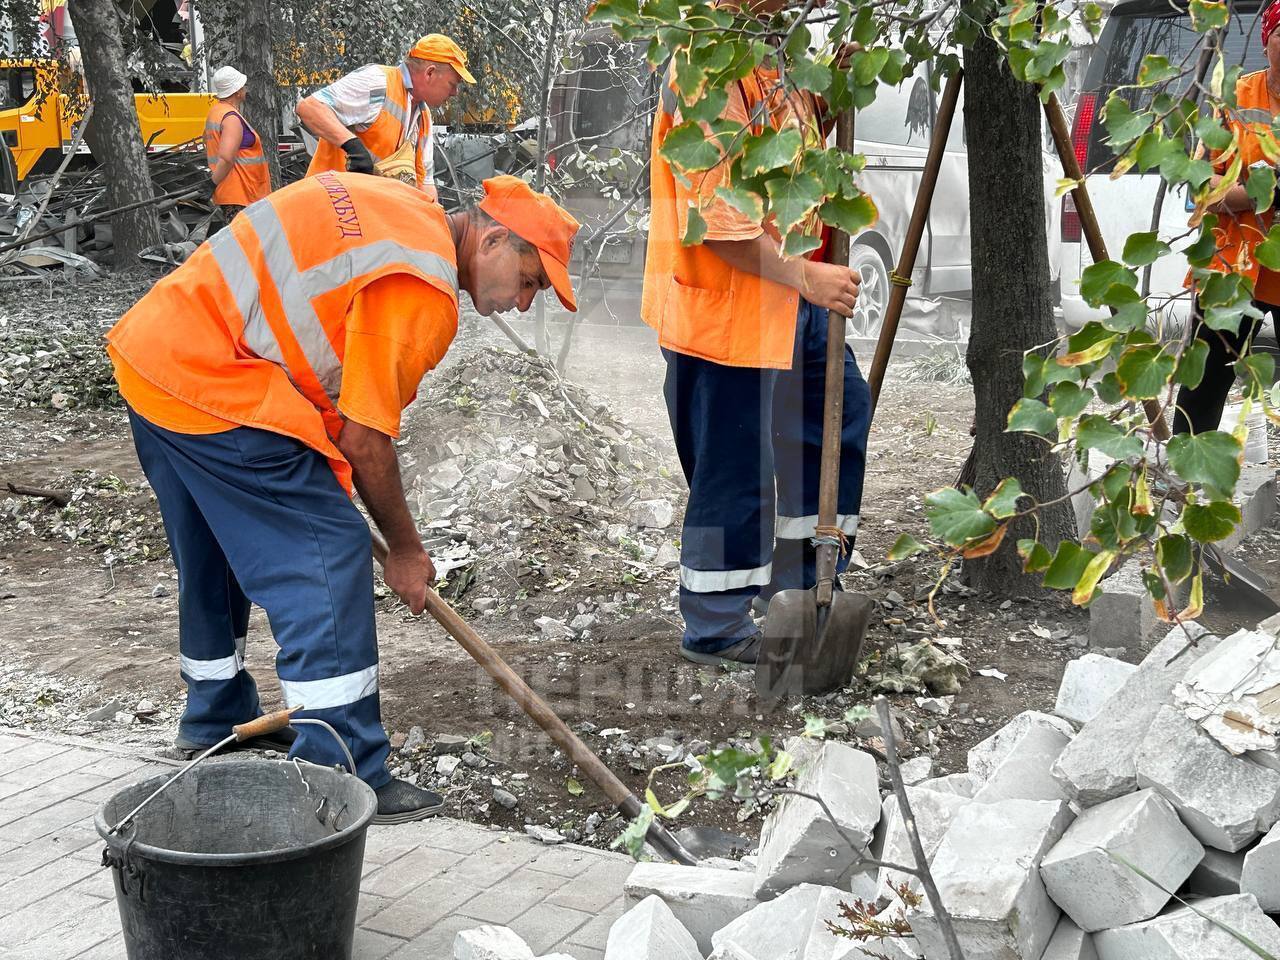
<point>307,325</point>
<point>237,164</point>
<point>367,115</point>
<point>744,332</point>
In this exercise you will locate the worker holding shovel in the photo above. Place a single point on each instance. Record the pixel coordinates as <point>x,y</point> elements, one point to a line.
<point>265,377</point>
<point>744,333</point>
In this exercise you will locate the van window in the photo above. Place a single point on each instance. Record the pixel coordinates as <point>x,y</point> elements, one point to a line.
<point>604,97</point>
<point>900,116</point>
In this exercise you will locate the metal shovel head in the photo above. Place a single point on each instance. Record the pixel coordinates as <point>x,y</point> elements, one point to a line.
<point>807,650</point>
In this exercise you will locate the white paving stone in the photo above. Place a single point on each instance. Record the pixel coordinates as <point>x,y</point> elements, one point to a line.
<point>934,812</point>
<point>702,899</point>
<point>650,931</point>
<point>1098,764</point>
<point>1217,875</point>
<point>1226,801</point>
<point>490,943</point>
<point>799,844</point>
<point>985,756</point>
<point>1024,771</point>
<point>1183,934</point>
<point>1087,684</point>
<point>1260,874</point>
<point>988,876</point>
<point>1084,873</point>
<point>1070,943</point>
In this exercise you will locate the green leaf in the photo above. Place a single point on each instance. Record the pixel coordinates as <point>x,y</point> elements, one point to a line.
<point>1098,433</point>
<point>1211,458</point>
<point>1191,364</point>
<point>1109,390</point>
<point>792,199</point>
<point>1069,399</point>
<point>957,517</point>
<point>808,75</point>
<point>1261,187</point>
<point>1098,279</point>
<point>1035,556</point>
<point>867,64</point>
<point>1067,567</point>
<point>1173,553</point>
<point>815,727</point>
<point>1123,125</point>
<point>1040,372</point>
<point>1003,502</point>
<point>1144,371</point>
<point>850,214</point>
<point>1087,585</point>
<point>695,227</point>
<point>1258,371</point>
<point>1143,248</point>
<point>1156,69</point>
<point>574,787</point>
<point>747,203</point>
<point>770,150</point>
<point>708,107</point>
<point>905,546</point>
<point>797,243</point>
<point>1205,248</point>
<point>633,837</point>
<point>1178,168</point>
<point>1087,349</point>
<point>1267,252</point>
<point>1031,416</point>
<point>687,147</point>
<point>781,765</point>
<point>1208,15</point>
<point>1210,522</point>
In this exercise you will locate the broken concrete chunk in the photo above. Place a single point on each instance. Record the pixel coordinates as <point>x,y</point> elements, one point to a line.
<point>702,899</point>
<point>988,875</point>
<point>1086,872</point>
<point>650,931</point>
<point>960,784</point>
<point>1260,875</point>
<point>1087,684</point>
<point>917,769</point>
<point>793,924</point>
<point>934,812</point>
<point>984,757</point>
<point>1024,772</point>
<point>1098,764</point>
<point>1231,693</point>
<point>490,943</point>
<point>655,514</point>
<point>1070,943</point>
<point>799,844</point>
<point>1226,801</point>
<point>1123,615</point>
<point>1217,875</point>
<point>1184,934</point>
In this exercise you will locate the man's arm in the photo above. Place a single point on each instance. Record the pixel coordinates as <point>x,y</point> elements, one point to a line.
<point>830,285</point>
<point>376,471</point>
<point>320,119</point>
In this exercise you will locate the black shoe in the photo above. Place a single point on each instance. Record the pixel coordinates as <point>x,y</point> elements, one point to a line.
<point>280,741</point>
<point>401,802</point>
<point>743,653</point>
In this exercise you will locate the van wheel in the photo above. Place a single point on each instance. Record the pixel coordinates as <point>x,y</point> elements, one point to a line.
<point>873,294</point>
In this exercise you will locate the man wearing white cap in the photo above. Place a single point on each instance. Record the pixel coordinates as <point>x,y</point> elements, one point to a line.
<point>237,165</point>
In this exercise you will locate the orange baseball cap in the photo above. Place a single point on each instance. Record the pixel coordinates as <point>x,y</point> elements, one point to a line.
<point>438,48</point>
<point>541,221</point>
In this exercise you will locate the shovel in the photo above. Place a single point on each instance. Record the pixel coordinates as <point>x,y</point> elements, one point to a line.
<point>813,638</point>
<point>707,841</point>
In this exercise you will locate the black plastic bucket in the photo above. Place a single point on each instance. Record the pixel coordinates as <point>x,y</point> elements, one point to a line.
<point>245,859</point>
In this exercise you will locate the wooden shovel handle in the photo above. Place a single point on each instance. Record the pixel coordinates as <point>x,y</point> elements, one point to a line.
<point>267,723</point>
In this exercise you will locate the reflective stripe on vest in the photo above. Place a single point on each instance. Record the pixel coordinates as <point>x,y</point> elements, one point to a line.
<point>297,289</point>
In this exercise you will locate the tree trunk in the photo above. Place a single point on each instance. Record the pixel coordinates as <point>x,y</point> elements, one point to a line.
<point>253,55</point>
<point>1012,311</point>
<point>115,137</point>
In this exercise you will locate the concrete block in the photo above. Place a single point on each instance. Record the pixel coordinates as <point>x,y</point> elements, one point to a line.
<point>988,754</point>
<point>934,812</point>
<point>650,931</point>
<point>792,925</point>
<point>1096,890</point>
<point>1098,764</point>
<point>799,844</point>
<point>1124,615</point>
<point>490,943</point>
<point>1256,496</point>
<point>888,948</point>
<point>1183,934</point>
<point>1217,875</point>
<point>1025,772</point>
<point>702,899</point>
<point>1226,801</point>
<point>916,770</point>
<point>1087,684</point>
<point>988,875</point>
<point>1070,943</point>
<point>960,784</point>
<point>1260,874</point>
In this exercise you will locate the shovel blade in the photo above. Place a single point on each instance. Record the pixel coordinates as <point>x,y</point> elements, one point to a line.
<point>807,651</point>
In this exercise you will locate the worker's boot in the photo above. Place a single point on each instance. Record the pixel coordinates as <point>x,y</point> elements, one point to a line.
<point>742,653</point>
<point>281,741</point>
<point>401,802</point>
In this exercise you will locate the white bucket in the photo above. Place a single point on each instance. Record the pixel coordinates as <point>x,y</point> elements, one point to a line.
<point>1255,446</point>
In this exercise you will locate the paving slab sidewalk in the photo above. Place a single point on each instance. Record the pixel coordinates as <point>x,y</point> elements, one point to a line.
<point>422,882</point>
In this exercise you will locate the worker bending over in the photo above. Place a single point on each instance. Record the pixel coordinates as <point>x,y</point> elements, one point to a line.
<point>237,163</point>
<point>744,332</point>
<point>369,114</point>
<point>306,328</point>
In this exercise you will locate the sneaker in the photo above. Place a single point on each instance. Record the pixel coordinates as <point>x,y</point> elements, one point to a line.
<point>401,802</point>
<point>742,653</point>
<point>183,749</point>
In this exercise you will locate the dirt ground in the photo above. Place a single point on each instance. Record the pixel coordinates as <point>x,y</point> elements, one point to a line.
<point>89,606</point>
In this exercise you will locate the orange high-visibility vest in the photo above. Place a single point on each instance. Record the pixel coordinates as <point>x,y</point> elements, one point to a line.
<point>700,305</point>
<point>250,177</point>
<point>1238,234</point>
<point>252,328</point>
<point>384,136</point>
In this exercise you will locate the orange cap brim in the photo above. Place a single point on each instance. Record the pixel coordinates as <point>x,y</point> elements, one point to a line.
<point>558,274</point>
<point>463,72</point>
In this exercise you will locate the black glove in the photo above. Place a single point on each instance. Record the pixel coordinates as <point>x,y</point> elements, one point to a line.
<point>203,189</point>
<point>359,159</point>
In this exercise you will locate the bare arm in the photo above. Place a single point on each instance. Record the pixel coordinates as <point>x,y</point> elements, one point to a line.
<point>228,147</point>
<point>830,285</point>
<point>318,118</point>
<point>408,570</point>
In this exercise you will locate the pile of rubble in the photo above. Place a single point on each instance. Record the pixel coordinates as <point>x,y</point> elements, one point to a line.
<point>532,490</point>
<point>1140,822</point>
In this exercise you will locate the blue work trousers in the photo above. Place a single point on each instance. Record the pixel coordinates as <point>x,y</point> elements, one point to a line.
<point>750,445</point>
<point>254,516</point>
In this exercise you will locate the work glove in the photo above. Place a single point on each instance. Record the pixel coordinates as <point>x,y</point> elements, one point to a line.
<point>359,159</point>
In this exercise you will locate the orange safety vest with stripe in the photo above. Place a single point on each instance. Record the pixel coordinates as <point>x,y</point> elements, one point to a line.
<point>385,135</point>
<point>250,177</point>
<point>699,304</point>
<point>264,303</point>
<point>1238,234</point>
